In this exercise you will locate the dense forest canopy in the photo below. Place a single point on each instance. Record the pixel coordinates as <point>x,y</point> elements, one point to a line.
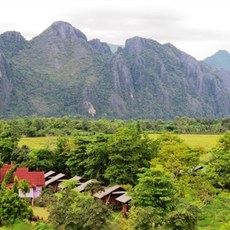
<point>173,185</point>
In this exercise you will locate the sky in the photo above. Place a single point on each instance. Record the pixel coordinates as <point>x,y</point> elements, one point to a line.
<point>197,27</point>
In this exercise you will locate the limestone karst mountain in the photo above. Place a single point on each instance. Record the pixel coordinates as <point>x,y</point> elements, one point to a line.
<point>60,72</point>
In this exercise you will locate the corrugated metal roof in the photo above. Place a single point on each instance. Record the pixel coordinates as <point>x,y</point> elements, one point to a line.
<point>107,190</point>
<point>124,198</point>
<point>49,173</point>
<point>82,186</point>
<point>76,178</point>
<point>55,178</point>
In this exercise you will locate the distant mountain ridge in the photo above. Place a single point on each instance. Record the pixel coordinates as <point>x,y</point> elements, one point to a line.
<point>60,72</point>
<point>220,59</point>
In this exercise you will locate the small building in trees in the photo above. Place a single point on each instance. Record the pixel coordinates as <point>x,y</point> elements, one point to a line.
<point>109,196</point>
<point>124,200</point>
<point>36,180</point>
<point>83,185</point>
<point>77,179</point>
<point>54,181</point>
<point>49,174</point>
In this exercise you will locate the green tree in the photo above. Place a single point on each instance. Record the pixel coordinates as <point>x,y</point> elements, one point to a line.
<point>97,158</point>
<point>78,211</point>
<point>42,159</point>
<point>77,156</point>
<point>144,218</point>
<point>128,152</point>
<point>12,207</point>
<point>61,155</point>
<point>178,158</point>
<point>219,169</point>
<point>184,217</point>
<point>155,189</point>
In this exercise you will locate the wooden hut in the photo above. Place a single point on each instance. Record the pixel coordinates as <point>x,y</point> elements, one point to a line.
<point>109,196</point>
<point>124,200</point>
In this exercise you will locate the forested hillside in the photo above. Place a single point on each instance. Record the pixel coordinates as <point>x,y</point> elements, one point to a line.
<point>60,72</point>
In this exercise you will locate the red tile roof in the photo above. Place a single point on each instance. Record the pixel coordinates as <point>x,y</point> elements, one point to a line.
<point>3,171</point>
<point>33,178</point>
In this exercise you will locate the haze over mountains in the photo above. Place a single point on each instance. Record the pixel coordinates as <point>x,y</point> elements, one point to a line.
<point>60,72</point>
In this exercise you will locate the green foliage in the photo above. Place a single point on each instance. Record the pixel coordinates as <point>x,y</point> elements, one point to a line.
<point>94,187</point>
<point>215,214</point>
<point>184,217</point>
<point>42,226</point>
<point>77,156</point>
<point>144,218</point>
<point>219,166</point>
<point>74,210</point>
<point>155,189</point>
<point>45,199</point>
<point>225,226</point>
<point>8,177</point>
<point>176,156</point>
<point>19,225</point>
<point>42,159</point>
<point>12,207</point>
<point>24,186</point>
<point>128,153</point>
<point>20,155</point>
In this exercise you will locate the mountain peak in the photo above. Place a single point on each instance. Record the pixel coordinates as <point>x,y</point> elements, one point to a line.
<point>65,29</point>
<point>12,36</point>
<point>135,44</point>
<point>221,60</point>
<point>12,42</point>
<point>225,52</point>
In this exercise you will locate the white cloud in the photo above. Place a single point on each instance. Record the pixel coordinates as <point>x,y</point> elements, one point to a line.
<point>199,27</point>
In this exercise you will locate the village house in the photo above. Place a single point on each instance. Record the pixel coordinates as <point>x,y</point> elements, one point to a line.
<point>36,181</point>
<point>109,196</point>
<point>53,181</point>
<point>124,200</point>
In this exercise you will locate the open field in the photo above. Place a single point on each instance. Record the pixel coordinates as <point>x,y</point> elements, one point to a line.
<point>41,212</point>
<point>38,142</point>
<point>196,140</point>
<point>193,140</point>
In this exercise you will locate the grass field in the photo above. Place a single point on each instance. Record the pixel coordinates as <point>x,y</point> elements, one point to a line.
<point>38,142</point>
<point>196,140</point>
<point>193,140</point>
<point>41,212</point>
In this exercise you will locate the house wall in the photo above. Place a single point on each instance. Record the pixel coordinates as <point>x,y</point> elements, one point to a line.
<point>33,193</point>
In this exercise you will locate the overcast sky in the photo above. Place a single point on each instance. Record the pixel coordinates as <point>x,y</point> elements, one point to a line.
<point>198,27</point>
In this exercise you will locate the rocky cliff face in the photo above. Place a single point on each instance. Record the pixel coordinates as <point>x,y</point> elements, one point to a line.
<point>165,82</point>
<point>60,72</point>
<point>5,83</point>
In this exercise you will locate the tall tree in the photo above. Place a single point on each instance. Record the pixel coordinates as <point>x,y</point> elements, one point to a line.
<point>155,189</point>
<point>219,169</point>
<point>73,210</point>
<point>12,207</point>
<point>128,152</point>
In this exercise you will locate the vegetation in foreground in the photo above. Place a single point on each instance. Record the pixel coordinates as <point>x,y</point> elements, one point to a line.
<point>168,189</point>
